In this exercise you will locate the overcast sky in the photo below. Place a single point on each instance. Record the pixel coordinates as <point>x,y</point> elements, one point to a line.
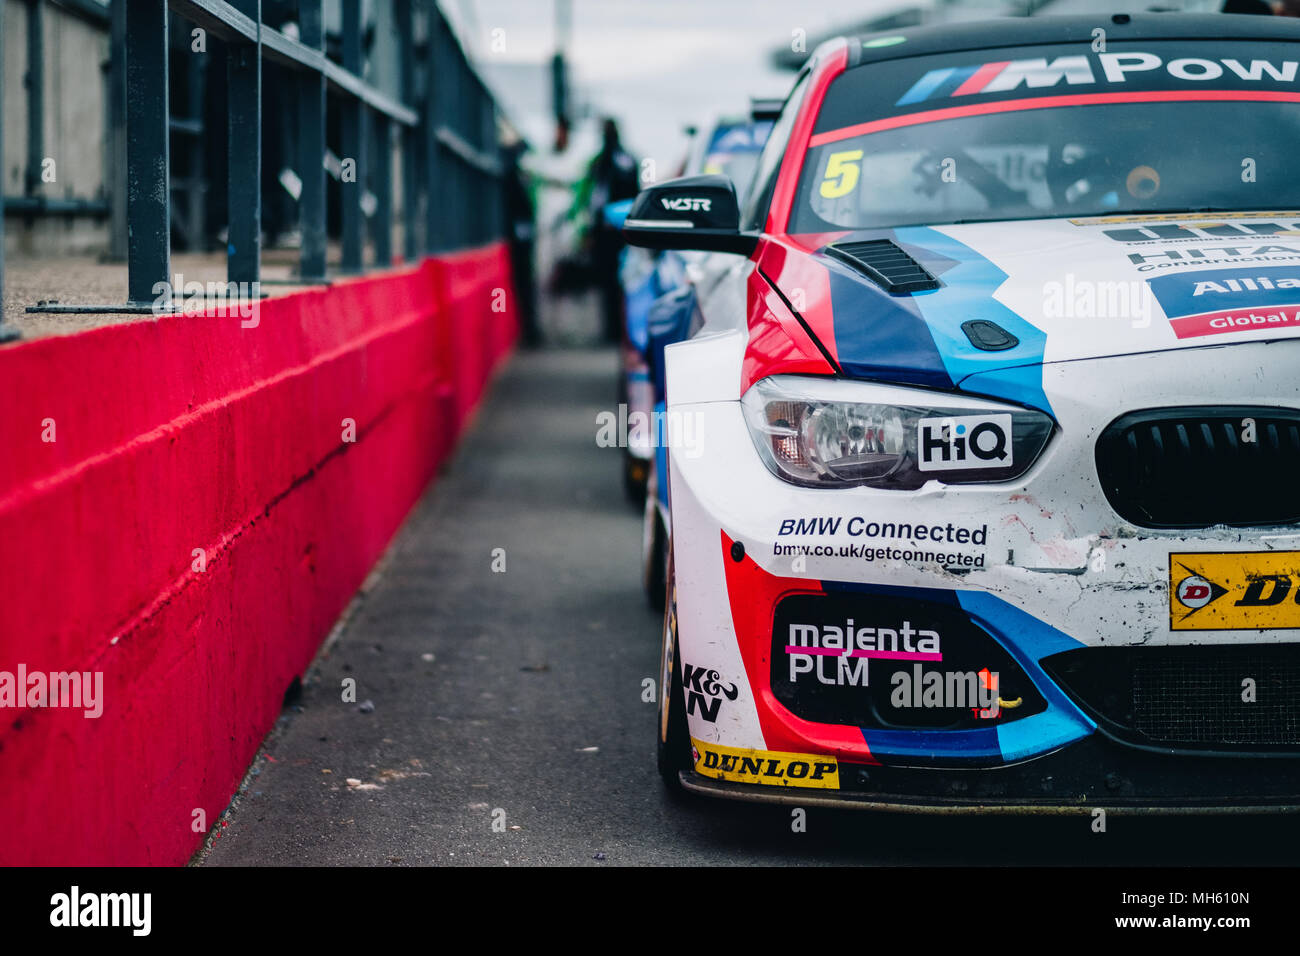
<point>657,64</point>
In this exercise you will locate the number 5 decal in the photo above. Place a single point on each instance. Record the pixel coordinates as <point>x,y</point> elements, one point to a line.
<point>841,173</point>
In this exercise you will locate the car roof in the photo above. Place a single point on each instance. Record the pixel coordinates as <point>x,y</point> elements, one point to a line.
<point>1048,29</point>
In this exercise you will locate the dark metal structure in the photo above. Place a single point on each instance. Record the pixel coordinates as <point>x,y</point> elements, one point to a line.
<point>446,121</point>
<point>5,332</point>
<point>31,203</point>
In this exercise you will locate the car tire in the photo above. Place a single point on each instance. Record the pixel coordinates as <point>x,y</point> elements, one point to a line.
<point>673,736</point>
<point>654,556</point>
<point>634,477</point>
<point>633,468</point>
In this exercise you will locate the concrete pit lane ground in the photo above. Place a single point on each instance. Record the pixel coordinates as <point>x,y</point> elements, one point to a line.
<point>499,718</point>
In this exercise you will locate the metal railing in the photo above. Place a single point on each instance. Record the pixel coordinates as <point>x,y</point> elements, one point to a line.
<point>451,194</point>
<point>6,332</point>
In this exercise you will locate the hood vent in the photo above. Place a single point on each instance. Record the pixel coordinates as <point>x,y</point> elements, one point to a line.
<point>885,263</point>
<point>988,336</point>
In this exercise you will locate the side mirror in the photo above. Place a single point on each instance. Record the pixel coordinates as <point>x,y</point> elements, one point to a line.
<point>694,212</point>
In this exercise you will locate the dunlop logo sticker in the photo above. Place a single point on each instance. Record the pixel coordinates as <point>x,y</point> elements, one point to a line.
<point>1234,591</point>
<point>765,766</point>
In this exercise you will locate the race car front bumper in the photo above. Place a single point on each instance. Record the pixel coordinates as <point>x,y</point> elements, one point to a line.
<point>1096,773</point>
<point>1037,580</point>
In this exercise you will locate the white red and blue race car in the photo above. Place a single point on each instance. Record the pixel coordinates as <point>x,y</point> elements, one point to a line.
<point>984,449</point>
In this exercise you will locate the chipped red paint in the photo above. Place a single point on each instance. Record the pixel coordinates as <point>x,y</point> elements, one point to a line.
<point>194,433</point>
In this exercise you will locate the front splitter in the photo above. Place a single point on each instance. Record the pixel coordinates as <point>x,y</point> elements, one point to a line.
<point>800,797</point>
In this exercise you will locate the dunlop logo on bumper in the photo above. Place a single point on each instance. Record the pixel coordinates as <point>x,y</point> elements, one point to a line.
<point>765,766</point>
<point>1234,591</point>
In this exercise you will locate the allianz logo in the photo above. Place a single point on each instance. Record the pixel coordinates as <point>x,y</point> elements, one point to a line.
<point>1245,284</point>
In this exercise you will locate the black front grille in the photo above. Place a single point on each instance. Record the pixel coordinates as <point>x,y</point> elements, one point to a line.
<point>886,264</point>
<point>1198,467</point>
<point>1191,697</point>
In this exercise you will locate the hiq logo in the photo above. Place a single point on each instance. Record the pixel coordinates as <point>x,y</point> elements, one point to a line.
<point>963,441</point>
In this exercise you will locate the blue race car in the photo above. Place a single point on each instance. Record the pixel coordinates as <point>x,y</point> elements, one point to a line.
<point>659,291</point>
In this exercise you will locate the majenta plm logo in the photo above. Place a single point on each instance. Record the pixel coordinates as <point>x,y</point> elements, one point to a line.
<point>838,656</point>
<point>831,654</point>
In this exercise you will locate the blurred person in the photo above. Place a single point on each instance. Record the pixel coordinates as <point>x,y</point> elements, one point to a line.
<point>521,233</point>
<point>611,176</point>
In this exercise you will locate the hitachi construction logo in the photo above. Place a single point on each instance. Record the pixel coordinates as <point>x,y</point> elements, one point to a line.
<point>838,655</point>
<point>1200,231</point>
<point>1083,70</point>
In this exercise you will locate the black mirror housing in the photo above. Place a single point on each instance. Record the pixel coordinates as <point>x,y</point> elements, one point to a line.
<point>693,212</point>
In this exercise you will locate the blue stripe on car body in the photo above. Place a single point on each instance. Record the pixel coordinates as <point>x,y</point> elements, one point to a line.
<point>1028,640</point>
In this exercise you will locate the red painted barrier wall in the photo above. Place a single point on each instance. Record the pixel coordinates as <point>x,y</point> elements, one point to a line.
<point>188,433</point>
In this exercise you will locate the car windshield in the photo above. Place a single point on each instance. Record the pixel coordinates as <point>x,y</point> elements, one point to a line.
<point>733,151</point>
<point>1061,134</point>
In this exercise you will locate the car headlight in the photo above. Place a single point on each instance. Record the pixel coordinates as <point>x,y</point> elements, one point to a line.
<point>822,432</point>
